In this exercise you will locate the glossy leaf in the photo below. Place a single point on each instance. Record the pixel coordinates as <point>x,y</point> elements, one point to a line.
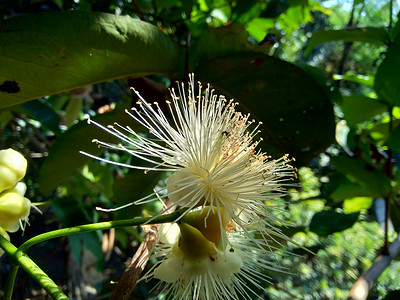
<point>348,190</point>
<point>64,157</point>
<point>44,54</point>
<point>387,81</point>
<point>325,223</point>
<point>364,174</point>
<point>359,108</point>
<point>366,80</point>
<point>222,41</point>
<point>296,113</point>
<point>368,34</point>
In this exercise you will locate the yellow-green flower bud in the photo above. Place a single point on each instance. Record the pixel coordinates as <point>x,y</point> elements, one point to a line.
<point>193,244</point>
<point>12,168</point>
<point>6,236</point>
<point>13,207</point>
<point>208,223</point>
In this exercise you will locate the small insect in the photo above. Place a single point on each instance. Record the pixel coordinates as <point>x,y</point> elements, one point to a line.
<point>225,133</point>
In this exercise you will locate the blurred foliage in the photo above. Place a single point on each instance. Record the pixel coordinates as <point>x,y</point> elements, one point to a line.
<point>320,75</point>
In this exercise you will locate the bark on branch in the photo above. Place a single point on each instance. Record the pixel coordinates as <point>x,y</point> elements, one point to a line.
<point>367,280</point>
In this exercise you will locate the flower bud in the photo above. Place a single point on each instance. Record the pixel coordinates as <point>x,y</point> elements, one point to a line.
<point>193,244</point>
<point>12,168</point>
<point>13,207</point>
<point>207,221</point>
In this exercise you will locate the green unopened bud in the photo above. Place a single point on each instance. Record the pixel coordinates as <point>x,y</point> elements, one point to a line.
<point>13,207</point>
<point>193,244</point>
<point>209,222</point>
<point>12,168</point>
<point>6,236</point>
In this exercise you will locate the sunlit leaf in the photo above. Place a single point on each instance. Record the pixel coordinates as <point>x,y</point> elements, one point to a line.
<point>356,204</point>
<point>367,80</point>
<point>359,108</point>
<point>350,189</point>
<point>366,175</point>
<point>368,34</point>
<point>222,41</point>
<point>44,54</point>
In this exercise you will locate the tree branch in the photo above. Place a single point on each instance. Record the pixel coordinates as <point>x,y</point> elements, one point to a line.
<point>367,280</point>
<point>132,273</point>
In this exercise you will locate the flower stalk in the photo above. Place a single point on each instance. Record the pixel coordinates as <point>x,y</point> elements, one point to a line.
<point>19,257</point>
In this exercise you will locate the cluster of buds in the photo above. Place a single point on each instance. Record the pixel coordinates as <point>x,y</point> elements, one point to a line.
<point>227,189</point>
<point>14,207</point>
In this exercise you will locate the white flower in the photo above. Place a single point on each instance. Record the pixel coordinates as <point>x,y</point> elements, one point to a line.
<point>193,267</point>
<point>211,150</point>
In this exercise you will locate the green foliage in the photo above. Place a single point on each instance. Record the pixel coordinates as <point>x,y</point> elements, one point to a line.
<point>299,67</point>
<point>50,53</point>
<point>325,223</point>
<point>367,34</point>
<point>386,80</point>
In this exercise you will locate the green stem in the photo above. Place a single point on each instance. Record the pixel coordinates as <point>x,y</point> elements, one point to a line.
<point>98,226</point>
<point>12,275</point>
<point>17,257</point>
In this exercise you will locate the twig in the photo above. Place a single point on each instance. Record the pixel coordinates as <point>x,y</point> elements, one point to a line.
<point>367,280</point>
<point>132,273</point>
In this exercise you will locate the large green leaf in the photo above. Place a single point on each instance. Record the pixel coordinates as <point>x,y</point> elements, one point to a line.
<point>359,108</point>
<point>324,223</point>
<point>43,54</point>
<point>223,41</point>
<point>135,185</point>
<point>367,34</point>
<point>387,80</point>
<point>64,157</point>
<point>370,178</point>
<point>348,189</point>
<point>296,113</point>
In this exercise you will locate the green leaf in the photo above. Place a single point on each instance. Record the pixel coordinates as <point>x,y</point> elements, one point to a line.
<point>222,41</point>
<point>135,185</point>
<point>366,80</point>
<point>73,111</point>
<point>275,8</point>
<point>47,53</point>
<point>370,178</point>
<point>368,34</point>
<point>64,157</point>
<point>43,113</point>
<point>356,204</point>
<point>387,81</point>
<point>297,115</point>
<point>325,223</point>
<point>359,108</point>
<point>258,27</point>
<point>348,190</point>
